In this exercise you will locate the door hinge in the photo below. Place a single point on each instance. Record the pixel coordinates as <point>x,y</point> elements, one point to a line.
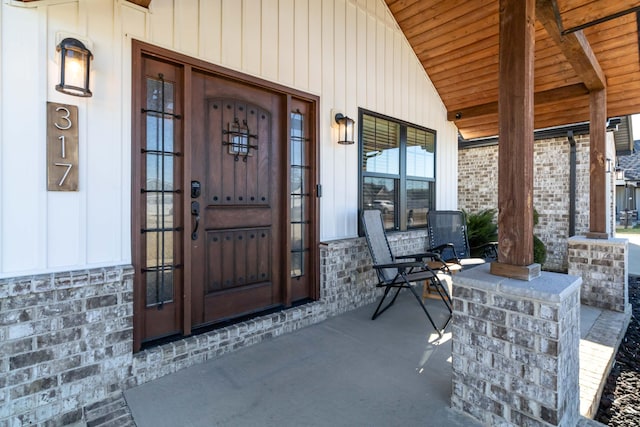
<point>318,190</point>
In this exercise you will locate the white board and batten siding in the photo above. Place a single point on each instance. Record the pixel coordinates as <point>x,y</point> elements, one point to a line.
<point>350,53</point>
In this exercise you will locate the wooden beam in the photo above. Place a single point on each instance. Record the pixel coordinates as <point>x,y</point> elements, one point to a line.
<point>574,46</point>
<point>515,150</point>
<point>597,165</point>
<point>540,98</point>
<point>143,3</point>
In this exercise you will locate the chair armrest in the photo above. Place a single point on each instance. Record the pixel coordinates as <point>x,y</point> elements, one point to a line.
<point>440,248</point>
<point>421,256</point>
<point>400,264</point>
<point>489,250</point>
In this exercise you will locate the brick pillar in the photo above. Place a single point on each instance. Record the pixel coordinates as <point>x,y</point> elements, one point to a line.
<point>516,348</point>
<point>602,264</point>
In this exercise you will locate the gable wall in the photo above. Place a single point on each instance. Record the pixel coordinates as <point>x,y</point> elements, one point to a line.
<point>349,52</point>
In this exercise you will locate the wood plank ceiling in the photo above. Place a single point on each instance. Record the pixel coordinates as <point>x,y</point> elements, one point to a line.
<point>457,43</point>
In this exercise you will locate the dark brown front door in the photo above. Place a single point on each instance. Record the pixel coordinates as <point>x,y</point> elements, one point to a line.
<point>237,140</point>
<point>224,195</point>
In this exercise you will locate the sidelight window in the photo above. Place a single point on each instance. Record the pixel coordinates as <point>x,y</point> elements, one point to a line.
<point>299,195</point>
<point>159,225</point>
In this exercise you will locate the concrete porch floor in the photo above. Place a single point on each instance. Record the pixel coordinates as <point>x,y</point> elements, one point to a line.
<point>346,371</point>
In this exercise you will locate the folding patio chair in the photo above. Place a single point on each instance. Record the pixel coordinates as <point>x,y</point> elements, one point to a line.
<point>448,237</point>
<point>393,273</point>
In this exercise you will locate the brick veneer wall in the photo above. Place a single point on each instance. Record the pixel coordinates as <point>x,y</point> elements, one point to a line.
<point>602,265</point>
<point>66,341</point>
<point>516,348</point>
<point>66,338</point>
<point>478,190</point>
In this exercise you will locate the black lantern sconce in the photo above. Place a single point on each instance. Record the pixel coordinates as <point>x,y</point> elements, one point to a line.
<point>345,129</point>
<point>75,61</point>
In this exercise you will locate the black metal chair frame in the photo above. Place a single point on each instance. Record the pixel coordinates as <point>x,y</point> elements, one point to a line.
<point>400,274</point>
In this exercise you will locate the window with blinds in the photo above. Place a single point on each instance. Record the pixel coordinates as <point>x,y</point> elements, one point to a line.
<point>397,166</point>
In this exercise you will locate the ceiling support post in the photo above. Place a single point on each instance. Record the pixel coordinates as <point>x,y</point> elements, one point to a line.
<point>597,165</point>
<point>515,149</point>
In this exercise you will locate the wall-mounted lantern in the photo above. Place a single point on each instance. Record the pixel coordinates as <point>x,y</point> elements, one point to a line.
<point>75,61</point>
<point>345,129</point>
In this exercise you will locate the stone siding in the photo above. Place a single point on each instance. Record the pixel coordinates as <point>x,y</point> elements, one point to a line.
<point>478,190</point>
<point>67,339</point>
<point>516,348</point>
<point>602,265</point>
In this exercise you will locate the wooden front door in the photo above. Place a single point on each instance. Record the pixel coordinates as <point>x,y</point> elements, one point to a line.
<point>237,148</point>
<point>224,195</point>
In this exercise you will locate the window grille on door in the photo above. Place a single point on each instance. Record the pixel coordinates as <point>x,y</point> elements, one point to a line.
<point>299,194</point>
<point>159,224</point>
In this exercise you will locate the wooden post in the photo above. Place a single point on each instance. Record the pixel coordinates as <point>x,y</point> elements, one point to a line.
<point>515,150</point>
<point>597,168</point>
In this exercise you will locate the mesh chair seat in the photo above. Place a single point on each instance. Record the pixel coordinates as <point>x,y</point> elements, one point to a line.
<point>400,272</point>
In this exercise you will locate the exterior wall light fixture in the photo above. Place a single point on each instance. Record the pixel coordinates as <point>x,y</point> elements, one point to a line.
<point>345,129</point>
<point>75,61</point>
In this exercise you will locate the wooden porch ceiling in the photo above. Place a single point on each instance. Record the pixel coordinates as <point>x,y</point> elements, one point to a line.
<point>457,43</point>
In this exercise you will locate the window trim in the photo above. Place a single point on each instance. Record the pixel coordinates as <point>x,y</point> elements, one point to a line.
<point>400,222</point>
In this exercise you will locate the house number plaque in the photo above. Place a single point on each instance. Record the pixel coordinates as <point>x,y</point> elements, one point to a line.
<point>62,147</point>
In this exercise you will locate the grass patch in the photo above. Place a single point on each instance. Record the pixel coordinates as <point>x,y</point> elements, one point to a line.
<point>630,230</point>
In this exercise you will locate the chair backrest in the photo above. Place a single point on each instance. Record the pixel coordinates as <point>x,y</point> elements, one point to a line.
<point>449,227</point>
<point>378,244</point>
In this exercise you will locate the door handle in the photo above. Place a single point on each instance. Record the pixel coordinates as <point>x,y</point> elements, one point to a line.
<point>195,211</point>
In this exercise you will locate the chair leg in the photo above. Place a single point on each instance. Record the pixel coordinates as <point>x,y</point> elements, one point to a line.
<point>446,299</point>
<point>415,294</point>
<point>378,312</point>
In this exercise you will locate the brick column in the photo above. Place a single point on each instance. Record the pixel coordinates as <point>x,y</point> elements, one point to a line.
<point>516,348</point>
<point>602,264</point>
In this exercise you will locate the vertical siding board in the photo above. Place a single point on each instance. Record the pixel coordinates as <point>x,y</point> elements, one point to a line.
<point>301,52</point>
<point>186,25</point>
<point>103,205</point>
<point>340,103</point>
<point>285,42</point>
<point>339,49</point>
<point>412,86</point>
<point>389,71</point>
<point>350,159</point>
<point>66,211</point>
<point>22,229</point>
<point>381,66</point>
<point>3,178</point>
<point>421,76</point>
<point>134,22</point>
<point>315,46</point>
<point>372,66</point>
<point>251,28</point>
<point>232,34</point>
<point>210,27</point>
<point>406,63</point>
<point>396,83</point>
<point>361,53</point>
<point>270,39</point>
<point>161,29</point>
<point>328,208</point>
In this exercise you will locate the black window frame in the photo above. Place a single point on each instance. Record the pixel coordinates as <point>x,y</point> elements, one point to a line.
<point>400,222</point>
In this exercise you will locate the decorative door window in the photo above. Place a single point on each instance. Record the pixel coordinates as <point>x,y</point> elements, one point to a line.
<point>159,226</point>
<point>299,194</point>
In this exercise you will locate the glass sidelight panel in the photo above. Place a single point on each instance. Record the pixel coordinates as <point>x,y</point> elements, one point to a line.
<point>299,196</point>
<point>159,226</point>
